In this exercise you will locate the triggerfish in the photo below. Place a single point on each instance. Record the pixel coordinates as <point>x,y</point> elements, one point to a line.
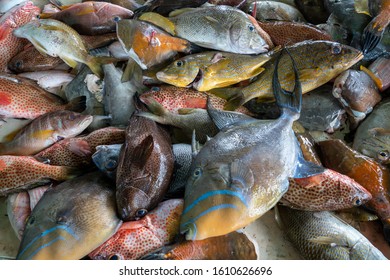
<point>230,183</point>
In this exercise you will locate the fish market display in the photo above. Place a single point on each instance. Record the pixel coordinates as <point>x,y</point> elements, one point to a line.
<point>158,129</point>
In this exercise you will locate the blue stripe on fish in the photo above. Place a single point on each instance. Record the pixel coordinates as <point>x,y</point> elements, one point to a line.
<point>212,193</point>
<point>44,246</point>
<point>46,232</point>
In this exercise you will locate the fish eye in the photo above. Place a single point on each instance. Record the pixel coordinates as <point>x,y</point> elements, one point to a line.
<point>383,155</point>
<point>19,64</point>
<point>111,165</point>
<point>197,172</point>
<point>336,49</point>
<point>357,201</point>
<point>179,63</point>
<point>251,28</point>
<point>72,117</point>
<point>31,220</point>
<point>155,89</point>
<point>116,18</point>
<point>141,212</point>
<point>114,257</point>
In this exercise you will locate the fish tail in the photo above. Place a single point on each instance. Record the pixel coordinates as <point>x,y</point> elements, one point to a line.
<point>234,96</point>
<point>193,48</point>
<point>291,101</point>
<point>95,63</point>
<point>77,104</point>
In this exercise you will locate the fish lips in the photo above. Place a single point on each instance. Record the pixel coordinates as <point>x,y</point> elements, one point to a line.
<point>130,200</point>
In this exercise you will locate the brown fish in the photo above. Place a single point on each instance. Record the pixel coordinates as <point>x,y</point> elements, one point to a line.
<point>22,172</point>
<point>44,131</point>
<point>77,152</point>
<point>144,169</point>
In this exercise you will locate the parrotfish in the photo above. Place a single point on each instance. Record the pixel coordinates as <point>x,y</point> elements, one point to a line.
<point>230,183</point>
<point>71,220</point>
<point>137,238</point>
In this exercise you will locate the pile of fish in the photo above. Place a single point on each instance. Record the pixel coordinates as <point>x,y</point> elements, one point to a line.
<point>161,129</point>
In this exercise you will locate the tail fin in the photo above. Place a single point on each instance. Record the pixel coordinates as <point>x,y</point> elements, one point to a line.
<point>285,99</point>
<point>77,104</point>
<point>95,63</point>
<point>234,96</point>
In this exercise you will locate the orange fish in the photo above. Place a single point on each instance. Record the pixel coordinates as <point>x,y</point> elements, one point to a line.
<point>23,98</point>
<point>10,45</point>
<point>23,172</point>
<point>138,238</point>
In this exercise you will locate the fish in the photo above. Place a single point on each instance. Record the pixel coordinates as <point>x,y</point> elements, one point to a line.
<point>44,131</point>
<point>148,44</point>
<point>233,3</point>
<point>232,246</point>
<point>307,144</point>
<point>321,111</point>
<point>144,169</point>
<point>18,210</point>
<point>314,11</point>
<point>128,4</point>
<point>71,220</point>
<point>328,59</point>
<point>24,172</point>
<point>23,98</point>
<point>106,159</point>
<point>116,50</point>
<point>173,99</point>
<point>274,10</point>
<point>374,177</point>
<point>329,191</point>
<point>207,70</point>
<point>357,93</point>
<point>285,33</point>
<point>54,38</point>
<point>230,184</point>
<point>379,72</point>
<point>36,194</point>
<point>91,17</point>
<point>10,45</point>
<point>164,7</point>
<point>77,151</point>
<point>137,238</point>
<point>182,154</point>
<point>50,80</point>
<point>222,28</point>
<point>323,236</point>
<point>372,135</point>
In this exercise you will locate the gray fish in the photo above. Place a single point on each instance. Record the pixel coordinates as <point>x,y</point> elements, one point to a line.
<point>323,236</point>
<point>71,220</point>
<point>273,10</point>
<point>106,159</point>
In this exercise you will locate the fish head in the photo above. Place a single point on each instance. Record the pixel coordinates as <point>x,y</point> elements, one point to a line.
<point>106,159</point>
<point>69,124</point>
<point>180,73</point>
<point>27,29</point>
<point>377,146</point>
<point>245,39</point>
<point>364,250</point>
<point>111,13</point>
<point>212,205</point>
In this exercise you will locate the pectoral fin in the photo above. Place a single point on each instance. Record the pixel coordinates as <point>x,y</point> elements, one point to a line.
<point>142,152</point>
<point>306,169</point>
<point>241,175</point>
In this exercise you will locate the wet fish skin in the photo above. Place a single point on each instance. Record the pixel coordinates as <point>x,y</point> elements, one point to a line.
<point>50,80</point>
<point>106,159</point>
<point>128,4</point>
<point>221,28</point>
<point>70,228</point>
<point>23,98</point>
<point>144,169</point>
<point>182,154</point>
<point>91,17</point>
<point>44,131</point>
<point>77,152</point>
<point>330,59</point>
<point>18,210</point>
<point>137,238</point>
<point>323,236</point>
<point>274,10</point>
<point>24,172</point>
<point>164,7</point>
<point>372,136</point>
<point>232,246</point>
<point>10,45</point>
<point>208,70</point>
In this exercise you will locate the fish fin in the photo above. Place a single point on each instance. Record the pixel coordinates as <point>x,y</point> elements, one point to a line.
<point>193,48</point>
<point>332,241</point>
<point>45,15</point>
<point>278,219</point>
<point>241,175</point>
<point>127,28</point>
<point>70,62</point>
<point>257,71</point>
<point>142,152</point>
<point>378,82</point>
<point>234,96</point>
<point>186,111</point>
<point>42,159</point>
<point>95,62</point>
<point>77,104</point>
<point>195,145</point>
<point>217,57</point>
<point>87,9</point>
<point>372,35</point>
<point>379,131</point>
<point>292,101</point>
<point>42,134</point>
<point>40,48</point>
<point>80,147</point>
<point>179,12</point>
<point>224,119</point>
<point>155,107</point>
<point>212,21</point>
<point>9,137</point>
<point>160,21</point>
<point>72,172</point>
<point>4,31</point>
<point>132,72</point>
<point>306,168</point>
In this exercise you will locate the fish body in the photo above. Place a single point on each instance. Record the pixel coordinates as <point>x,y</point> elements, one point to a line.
<point>182,154</point>
<point>91,17</point>
<point>71,220</point>
<point>18,210</point>
<point>136,238</point>
<point>55,38</point>
<point>77,152</point>
<point>208,70</point>
<point>329,191</point>
<point>44,131</point>
<point>323,236</point>
<point>148,44</point>
<point>23,98</point>
<point>274,10</point>
<point>10,45</point>
<point>328,60</point>
<point>144,169</point>
<point>23,172</point>
<point>106,159</point>
<point>372,137</point>
<point>164,7</point>
<point>222,28</point>
<point>49,80</point>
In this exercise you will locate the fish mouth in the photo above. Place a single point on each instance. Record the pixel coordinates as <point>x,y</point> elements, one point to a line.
<point>164,77</point>
<point>197,82</point>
